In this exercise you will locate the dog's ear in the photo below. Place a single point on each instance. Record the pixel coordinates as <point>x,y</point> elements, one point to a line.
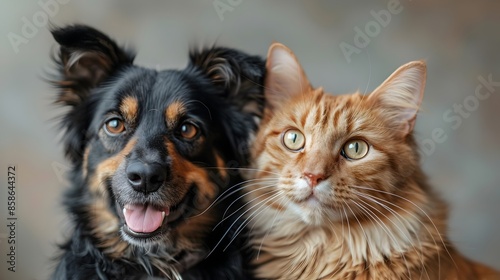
<point>238,75</point>
<point>85,59</point>
<point>239,78</point>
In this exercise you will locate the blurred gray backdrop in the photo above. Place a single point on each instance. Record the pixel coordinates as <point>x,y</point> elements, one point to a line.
<point>344,46</point>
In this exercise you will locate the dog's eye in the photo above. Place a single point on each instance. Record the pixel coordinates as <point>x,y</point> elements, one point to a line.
<point>114,126</point>
<point>188,130</point>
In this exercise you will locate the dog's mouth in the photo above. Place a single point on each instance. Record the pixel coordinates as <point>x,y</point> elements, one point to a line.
<point>148,221</point>
<point>144,220</point>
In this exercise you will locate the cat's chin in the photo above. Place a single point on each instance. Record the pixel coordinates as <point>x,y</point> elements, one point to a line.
<point>312,202</point>
<point>308,201</point>
<point>315,213</point>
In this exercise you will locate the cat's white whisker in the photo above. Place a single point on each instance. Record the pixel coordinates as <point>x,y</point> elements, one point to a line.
<point>236,220</point>
<point>382,201</point>
<point>232,191</point>
<point>401,219</point>
<point>244,168</point>
<point>251,216</point>
<point>269,230</point>
<point>338,238</point>
<point>271,183</point>
<point>348,226</point>
<point>420,209</point>
<point>388,231</point>
<point>244,205</point>
<point>369,245</point>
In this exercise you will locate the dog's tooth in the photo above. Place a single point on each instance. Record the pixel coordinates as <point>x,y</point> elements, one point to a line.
<point>124,211</point>
<point>163,215</point>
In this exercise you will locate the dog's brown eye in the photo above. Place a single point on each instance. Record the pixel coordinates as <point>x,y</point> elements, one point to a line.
<point>188,130</point>
<point>114,126</point>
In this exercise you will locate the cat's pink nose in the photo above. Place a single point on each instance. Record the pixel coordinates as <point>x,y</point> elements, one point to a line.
<point>314,179</point>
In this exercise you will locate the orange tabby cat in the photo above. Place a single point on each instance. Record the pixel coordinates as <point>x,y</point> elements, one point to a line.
<point>337,191</point>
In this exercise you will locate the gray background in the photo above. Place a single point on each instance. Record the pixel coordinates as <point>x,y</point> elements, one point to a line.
<point>459,39</point>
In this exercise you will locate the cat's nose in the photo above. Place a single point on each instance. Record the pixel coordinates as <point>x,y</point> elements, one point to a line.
<point>314,179</point>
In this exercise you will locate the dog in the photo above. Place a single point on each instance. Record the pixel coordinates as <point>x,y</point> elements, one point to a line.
<point>152,153</point>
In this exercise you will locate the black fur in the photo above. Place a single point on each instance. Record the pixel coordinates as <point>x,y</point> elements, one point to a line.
<point>223,88</point>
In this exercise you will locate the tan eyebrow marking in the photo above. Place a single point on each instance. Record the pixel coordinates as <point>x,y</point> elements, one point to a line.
<point>173,112</point>
<point>129,108</point>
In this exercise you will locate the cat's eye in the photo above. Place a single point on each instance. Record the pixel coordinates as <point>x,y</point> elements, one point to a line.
<point>355,149</point>
<point>114,126</point>
<point>188,130</point>
<point>294,140</point>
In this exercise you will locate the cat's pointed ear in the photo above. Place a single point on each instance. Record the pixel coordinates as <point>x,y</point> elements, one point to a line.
<point>399,97</point>
<point>285,77</point>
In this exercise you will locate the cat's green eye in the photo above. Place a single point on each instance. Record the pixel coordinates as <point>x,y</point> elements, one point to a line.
<point>294,140</point>
<point>355,149</point>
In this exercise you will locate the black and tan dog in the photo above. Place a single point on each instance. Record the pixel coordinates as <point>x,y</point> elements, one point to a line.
<point>149,150</point>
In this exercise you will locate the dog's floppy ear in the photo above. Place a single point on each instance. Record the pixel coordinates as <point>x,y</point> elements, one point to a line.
<point>85,59</point>
<point>239,78</point>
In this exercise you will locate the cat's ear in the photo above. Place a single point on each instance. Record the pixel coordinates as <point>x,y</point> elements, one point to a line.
<point>285,77</point>
<point>399,97</point>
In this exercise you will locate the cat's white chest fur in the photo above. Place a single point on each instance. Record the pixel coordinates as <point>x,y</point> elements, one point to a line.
<point>290,247</point>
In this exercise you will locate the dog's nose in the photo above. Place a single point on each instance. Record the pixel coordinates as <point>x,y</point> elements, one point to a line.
<point>146,177</point>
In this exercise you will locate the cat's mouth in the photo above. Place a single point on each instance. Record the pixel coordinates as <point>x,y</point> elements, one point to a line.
<point>306,195</point>
<point>312,201</point>
<point>307,199</point>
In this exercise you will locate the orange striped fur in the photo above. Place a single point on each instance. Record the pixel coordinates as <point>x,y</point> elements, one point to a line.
<point>317,213</point>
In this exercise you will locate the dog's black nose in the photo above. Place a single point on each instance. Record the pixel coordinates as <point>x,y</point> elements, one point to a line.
<point>146,177</point>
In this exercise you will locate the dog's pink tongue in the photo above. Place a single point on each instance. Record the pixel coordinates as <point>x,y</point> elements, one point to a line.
<point>143,218</point>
